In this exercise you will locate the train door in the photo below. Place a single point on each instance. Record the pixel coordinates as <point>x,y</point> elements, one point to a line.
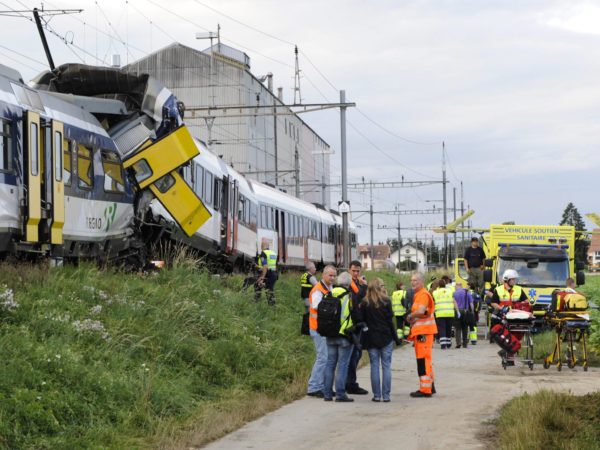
<point>281,227</point>
<point>232,216</point>
<point>222,202</point>
<point>338,244</point>
<point>45,198</point>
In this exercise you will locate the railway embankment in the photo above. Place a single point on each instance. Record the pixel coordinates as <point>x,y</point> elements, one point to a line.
<point>103,359</point>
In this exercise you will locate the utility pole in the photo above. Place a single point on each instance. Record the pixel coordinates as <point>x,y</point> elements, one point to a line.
<point>445,214</point>
<point>462,213</point>
<point>345,237</point>
<point>454,209</point>
<point>298,97</point>
<point>371,223</point>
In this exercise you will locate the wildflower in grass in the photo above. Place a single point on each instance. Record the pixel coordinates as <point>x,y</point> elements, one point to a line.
<point>7,299</point>
<point>89,325</point>
<point>96,310</point>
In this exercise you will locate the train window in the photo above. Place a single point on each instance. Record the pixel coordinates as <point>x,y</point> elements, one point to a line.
<point>58,156</point>
<point>263,216</point>
<point>273,221</point>
<point>142,170</point>
<point>296,227</point>
<point>241,207</point>
<point>34,148</point>
<point>248,212</point>
<point>165,183</point>
<point>253,213</point>
<point>85,172</point>
<point>6,158</point>
<point>67,152</point>
<point>218,194</point>
<point>113,175</point>
<point>199,181</point>
<point>208,188</point>
<point>187,174</point>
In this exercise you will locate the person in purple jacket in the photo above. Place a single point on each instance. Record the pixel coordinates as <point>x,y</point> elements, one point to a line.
<point>463,301</point>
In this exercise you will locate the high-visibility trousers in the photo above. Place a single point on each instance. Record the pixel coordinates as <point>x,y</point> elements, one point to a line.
<point>424,369</point>
<point>473,335</point>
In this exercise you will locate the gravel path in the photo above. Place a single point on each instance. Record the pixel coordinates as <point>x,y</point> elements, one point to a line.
<point>471,385</point>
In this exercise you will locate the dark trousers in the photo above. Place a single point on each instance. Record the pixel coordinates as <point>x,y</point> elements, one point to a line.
<point>445,330</point>
<point>461,332</point>
<point>351,383</point>
<point>270,280</point>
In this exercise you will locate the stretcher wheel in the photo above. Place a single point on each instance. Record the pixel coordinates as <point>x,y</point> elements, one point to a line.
<point>570,364</point>
<point>546,364</point>
<point>585,368</point>
<point>530,366</point>
<point>559,367</point>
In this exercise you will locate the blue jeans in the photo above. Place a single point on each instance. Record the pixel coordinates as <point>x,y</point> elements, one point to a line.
<point>381,356</point>
<point>339,350</point>
<point>317,376</point>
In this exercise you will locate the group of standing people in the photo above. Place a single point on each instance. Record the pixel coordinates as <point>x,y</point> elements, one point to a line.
<point>368,319</point>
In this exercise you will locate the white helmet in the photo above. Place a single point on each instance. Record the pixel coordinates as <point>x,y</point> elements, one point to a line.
<point>510,274</point>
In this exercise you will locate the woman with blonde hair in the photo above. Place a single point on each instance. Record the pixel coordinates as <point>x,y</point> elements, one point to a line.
<point>377,314</point>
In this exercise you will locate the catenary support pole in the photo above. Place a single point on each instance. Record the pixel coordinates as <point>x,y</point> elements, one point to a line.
<point>345,237</point>
<point>445,204</point>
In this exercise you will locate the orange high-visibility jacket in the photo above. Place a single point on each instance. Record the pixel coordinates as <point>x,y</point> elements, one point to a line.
<point>312,318</point>
<point>424,325</point>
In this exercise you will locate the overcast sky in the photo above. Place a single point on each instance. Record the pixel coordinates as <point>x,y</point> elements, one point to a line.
<point>511,87</point>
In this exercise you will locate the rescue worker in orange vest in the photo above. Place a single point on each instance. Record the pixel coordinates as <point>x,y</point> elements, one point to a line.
<point>423,327</point>
<point>358,290</point>
<point>316,382</point>
<point>505,295</point>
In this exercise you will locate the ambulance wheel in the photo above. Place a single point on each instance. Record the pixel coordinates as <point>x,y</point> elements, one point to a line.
<point>546,364</point>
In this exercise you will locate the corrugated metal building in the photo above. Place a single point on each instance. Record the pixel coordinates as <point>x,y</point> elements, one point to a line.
<point>248,139</point>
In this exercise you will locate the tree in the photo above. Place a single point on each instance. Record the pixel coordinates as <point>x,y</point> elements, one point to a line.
<point>572,217</point>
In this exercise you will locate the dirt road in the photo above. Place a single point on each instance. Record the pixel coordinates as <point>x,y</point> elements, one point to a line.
<point>471,385</point>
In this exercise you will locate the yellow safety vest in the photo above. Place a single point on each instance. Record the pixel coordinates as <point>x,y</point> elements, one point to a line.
<point>271,260</point>
<point>345,319</point>
<point>305,286</point>
<point>444,302</point>
<point>506,296</point>
<point>397,307</point>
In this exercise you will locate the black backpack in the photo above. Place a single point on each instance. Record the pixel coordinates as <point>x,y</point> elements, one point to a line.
<point>329,313</point>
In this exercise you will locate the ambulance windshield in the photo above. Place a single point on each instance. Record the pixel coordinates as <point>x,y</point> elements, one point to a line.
<point>535,266</point>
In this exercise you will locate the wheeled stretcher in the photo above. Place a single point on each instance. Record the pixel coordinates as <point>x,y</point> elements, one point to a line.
<point>571,328</point>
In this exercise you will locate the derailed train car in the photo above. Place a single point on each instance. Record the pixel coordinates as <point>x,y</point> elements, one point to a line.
<point>71,184</point>
<point>96,163</point>
<point>245,212</point>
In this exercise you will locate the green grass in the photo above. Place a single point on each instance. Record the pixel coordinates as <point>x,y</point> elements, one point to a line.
<point>101,359</point>
<point>550,420</point>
